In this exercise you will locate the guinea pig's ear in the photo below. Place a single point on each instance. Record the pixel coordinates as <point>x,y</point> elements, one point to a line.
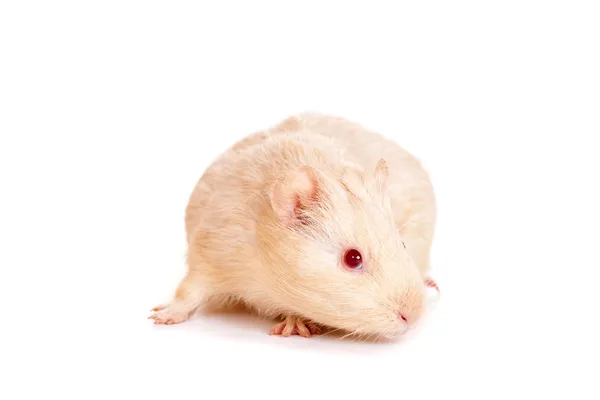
<point>382,175</point>
<point>295,193</point>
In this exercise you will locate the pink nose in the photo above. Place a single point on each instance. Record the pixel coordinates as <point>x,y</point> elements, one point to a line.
<point>402,317</point>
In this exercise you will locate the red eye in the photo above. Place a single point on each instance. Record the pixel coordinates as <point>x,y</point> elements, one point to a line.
<point>353,259</point>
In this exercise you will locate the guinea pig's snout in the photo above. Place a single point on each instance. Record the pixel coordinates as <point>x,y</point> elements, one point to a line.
<point>402,317</point>
<point>409,309</point>
<point>408,317</point>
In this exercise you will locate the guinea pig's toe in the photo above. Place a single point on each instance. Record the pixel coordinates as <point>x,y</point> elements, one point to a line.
<point>289,329</point>
<point>159,307</point>
<point>278,328</point>
<point>432,284</point>
<point>302,330</point>
<point>313,328</point>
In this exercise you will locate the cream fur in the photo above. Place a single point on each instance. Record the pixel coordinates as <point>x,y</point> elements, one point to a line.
<point>269,220</point>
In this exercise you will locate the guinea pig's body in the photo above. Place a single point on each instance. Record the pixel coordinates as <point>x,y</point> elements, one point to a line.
<point>276,220</point>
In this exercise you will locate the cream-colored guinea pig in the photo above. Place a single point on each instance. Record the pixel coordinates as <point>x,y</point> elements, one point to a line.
<point>316,221</point>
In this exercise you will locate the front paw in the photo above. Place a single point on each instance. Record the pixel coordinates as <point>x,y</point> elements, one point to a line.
<point>295,326</point>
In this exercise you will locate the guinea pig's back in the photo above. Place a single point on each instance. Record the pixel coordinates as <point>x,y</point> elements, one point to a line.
<point>222,195</point>
<point>363,146</point>
<point>230,192</point>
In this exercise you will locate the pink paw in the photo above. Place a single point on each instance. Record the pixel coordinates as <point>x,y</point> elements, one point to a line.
<point>170,314</point>
<point>432,284</point>
<point>295,326</point>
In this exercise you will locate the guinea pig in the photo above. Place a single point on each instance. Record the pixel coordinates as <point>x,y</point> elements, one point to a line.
<point>316,221</point>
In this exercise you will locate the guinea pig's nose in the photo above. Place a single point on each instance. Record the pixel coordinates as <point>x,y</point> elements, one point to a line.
<point>402,317</point>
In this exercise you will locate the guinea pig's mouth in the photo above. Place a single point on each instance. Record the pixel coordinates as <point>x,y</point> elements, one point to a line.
<point>396,331</point>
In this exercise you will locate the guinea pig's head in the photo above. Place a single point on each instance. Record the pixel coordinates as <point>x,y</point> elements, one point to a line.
<point>343,261</point>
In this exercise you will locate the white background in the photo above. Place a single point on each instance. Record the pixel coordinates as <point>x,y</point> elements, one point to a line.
<point>110,111</point>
